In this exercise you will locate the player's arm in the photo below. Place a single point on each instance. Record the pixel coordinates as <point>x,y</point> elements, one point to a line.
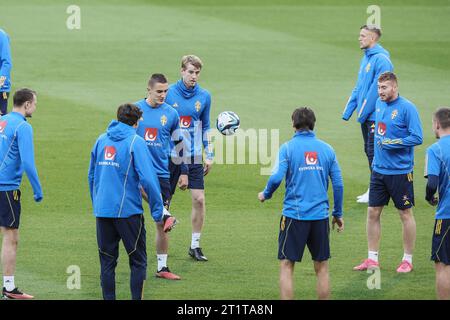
<point>382,65</point>
<point>177,137</point>
<point>5,56</point>
<point>352,101</point>
<point>147,178</point>
<point>415,136</point>
<point>278,174</point>
<point>338,194</point>
<point>26,151</point>
<point>432,169</point>
<point>207,145</point>
<point>91,172</point>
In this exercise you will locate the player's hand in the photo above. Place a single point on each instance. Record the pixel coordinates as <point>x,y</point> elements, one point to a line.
<point>2,81</point>
<point>433,201</point>
<point>38,197</point>
<point>183,181</point>
<point>207,166</point>
<point>339,222</point>
<point>261,197</point>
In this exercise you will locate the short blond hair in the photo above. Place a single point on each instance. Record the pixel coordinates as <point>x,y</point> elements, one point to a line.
<point>190,58</point>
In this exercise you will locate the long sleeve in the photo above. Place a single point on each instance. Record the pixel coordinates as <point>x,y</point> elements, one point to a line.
<point>383,65</point>
<point>148,179</point>
<point>91,172</point>
<point>207,145</point>
<point>415,136</point>
<point>432,186</point>
<point>338,188</point>
<point>177,138</point>
<point>26,150</point>
<point>278,173</point>
<point>5,56</point>
<point>351,105</point>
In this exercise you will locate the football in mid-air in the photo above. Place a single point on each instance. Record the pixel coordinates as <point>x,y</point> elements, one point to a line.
<point>227,123</point>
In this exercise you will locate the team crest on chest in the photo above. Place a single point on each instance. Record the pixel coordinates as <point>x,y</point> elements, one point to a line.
<point>163,120</point>
<point>394,114</point>
<point>198,106</point>
<point>368,67</point>
<point>175,105</point>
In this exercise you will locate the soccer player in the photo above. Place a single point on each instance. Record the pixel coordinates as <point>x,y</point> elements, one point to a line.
<point>16,155</point>
<point>193,104</point>
<point>398,130</point>
<point>160,123</point>
<point>5,71</point>
<point>364,96</point>
<point>437,166</point>
<point>307,163</point>
<point>120,165</point>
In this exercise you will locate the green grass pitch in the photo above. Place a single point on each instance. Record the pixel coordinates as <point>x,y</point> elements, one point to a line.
<point>261,60</point>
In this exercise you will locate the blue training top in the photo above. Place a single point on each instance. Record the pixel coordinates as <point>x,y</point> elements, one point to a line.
<point>158,127</point>
<point>438,164</point>
<point>375,61</point>
<point>120,165</point>
<point>397,130</point>
<point>307,163</point>
<point>193,106</point>
<point>17,154</point>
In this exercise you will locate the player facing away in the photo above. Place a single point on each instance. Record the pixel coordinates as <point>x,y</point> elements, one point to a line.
<point>398,130</point>
<point>437,169</point>
<point>5,71</point>
<point>306,162</point>
<point>193,104</point>
<point>120,165</point>
<point>16,155</point>
<point>375,61</point>
<point>160,123</point>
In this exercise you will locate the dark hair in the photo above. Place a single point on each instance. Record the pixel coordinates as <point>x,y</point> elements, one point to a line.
<point>387,76</point>
<point>303,118</point>
<point>442,115</point>
<point>23,95</point>
<point>157,78</point>
<point>372,28</point>
<point>129,113</point>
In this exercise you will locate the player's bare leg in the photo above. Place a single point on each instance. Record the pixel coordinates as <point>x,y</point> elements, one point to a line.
<point>9,250</point>
<point>197,219</point>
<point>323,280</point>
<point>442,281</point>
<point>8,257</point>
<point>286,280</point>
<point>373,227</point>
<point>409,240</point>
<point>409,230</point>
<point>198,209</point>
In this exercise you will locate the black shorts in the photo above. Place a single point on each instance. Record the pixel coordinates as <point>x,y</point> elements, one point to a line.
<point>4,103</point>
<point>296,234</point>
<point>195,176</point>
<point>10,209</point>
<point>164,184</point>
<point>399,187</point>
<point>440,250</point>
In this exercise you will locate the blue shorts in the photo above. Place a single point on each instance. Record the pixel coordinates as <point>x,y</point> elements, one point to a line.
<point>195,176</point>
<point>164,184</point>
<point>399,187</point>
<point>296,234</point>
<point>10,209</point>
<point>4,103</point>
<point>440,250</point>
